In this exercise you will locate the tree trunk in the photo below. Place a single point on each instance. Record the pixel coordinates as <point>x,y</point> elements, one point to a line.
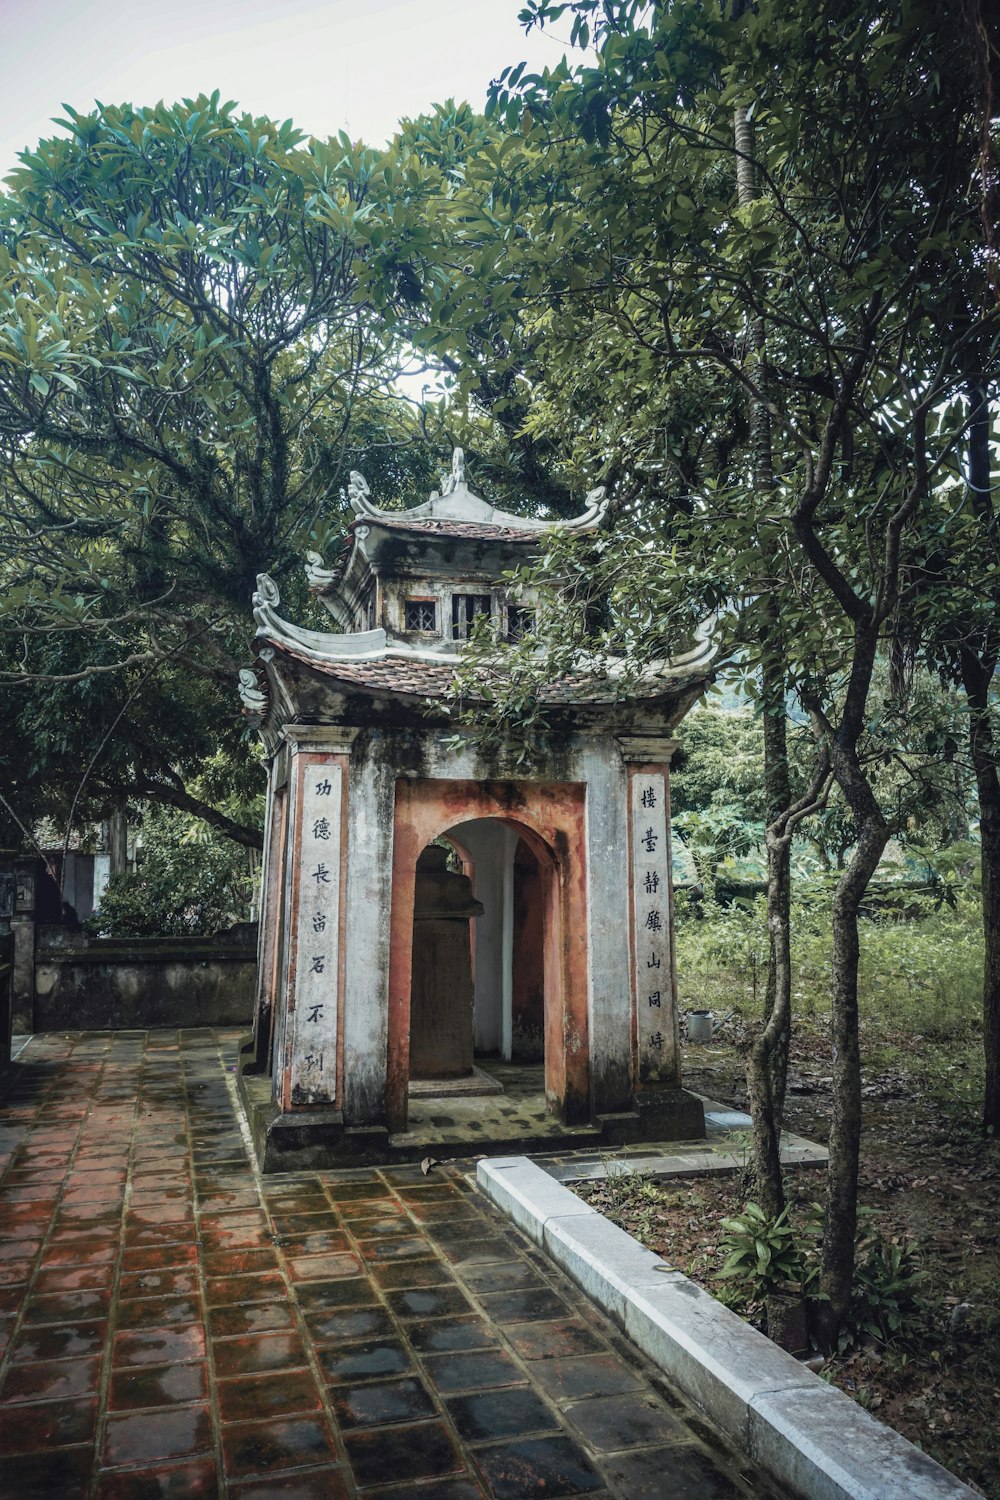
<point>767,1060</point>
<point>841,1209</point>
<point>977,668</point>
<point>977,676</point>
<point>118,842</point>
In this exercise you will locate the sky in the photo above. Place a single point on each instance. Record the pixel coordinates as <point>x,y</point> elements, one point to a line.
<point>329,65</point>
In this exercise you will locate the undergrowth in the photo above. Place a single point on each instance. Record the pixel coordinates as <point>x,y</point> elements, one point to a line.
<point>922,972</point>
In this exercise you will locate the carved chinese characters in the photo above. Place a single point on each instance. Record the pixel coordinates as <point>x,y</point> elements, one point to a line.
<point>316,927</point>
<point>651,906</point>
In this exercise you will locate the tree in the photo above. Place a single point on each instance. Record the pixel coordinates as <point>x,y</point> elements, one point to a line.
<point>187,373</point>
<point>855,255</point>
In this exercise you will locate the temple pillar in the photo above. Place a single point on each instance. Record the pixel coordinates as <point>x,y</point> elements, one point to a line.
<point>661,1101</point>
<point>308,1054</point>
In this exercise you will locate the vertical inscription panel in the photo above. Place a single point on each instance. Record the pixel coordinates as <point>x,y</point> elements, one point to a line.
<point>315,938</point>
<point>655,1025</point>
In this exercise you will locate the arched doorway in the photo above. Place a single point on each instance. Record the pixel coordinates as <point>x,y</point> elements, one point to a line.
<point>529,949</point>
<point>477,988</point>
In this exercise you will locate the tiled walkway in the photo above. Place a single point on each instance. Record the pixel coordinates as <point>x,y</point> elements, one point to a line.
<point>172,1325</point>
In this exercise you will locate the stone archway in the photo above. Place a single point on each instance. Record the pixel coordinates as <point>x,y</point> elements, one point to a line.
<point>549,819</point>
<point>508,938</point>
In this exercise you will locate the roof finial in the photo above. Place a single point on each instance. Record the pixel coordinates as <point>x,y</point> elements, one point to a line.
<point>358,493</point>
<point>456,479</point>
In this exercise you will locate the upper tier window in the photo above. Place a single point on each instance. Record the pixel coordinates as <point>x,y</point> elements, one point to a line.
<point>420,614</point>
<point>465,610</point>
<point>520,622</point>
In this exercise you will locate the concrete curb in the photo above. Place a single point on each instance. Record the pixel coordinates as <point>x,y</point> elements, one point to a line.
<point>809,1436</point>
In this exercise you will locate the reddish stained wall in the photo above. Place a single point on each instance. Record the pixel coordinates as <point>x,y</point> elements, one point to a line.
<point>551,818</point>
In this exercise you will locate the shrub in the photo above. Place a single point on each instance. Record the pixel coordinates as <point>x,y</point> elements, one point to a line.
<point>763,1255</point>
<point>187,883</point>
<point>766,1256</point>
<point>886,1275</point>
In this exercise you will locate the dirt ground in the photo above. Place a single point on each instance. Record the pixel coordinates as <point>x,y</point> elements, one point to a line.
<point>929,1178</point>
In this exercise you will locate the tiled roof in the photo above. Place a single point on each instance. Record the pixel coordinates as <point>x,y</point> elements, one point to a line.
<point>412,677</point>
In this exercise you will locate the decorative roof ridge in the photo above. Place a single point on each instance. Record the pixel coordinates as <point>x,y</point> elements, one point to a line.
<point>275,628</point>
<point>456,502</point>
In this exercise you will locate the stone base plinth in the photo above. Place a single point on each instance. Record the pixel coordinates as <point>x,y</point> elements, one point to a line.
<point>307,1140</point>
<point>448,1126</point>
<point>670,1115</point>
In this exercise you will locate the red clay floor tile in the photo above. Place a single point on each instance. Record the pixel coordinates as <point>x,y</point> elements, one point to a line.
<point>158,1312</point>
<point>323,1267</point>
<point>86,1253</point>
<point>158,1236</point>
<point>131,1145</point>
<point>149,1436</point>
<point>227,1290</point>
<point>168,1385</point>
<point>40,1425</point>
<point>265,1351</point>
<point>266,1447</point>
<point>254,1317</point>
<point>63,1473</point>
<point>157,1346</point>
<point>240,1262</point>
<point>257,1397</point>
<point>197,1481</point>
<point>73,1279</point>
<point>377,1403</point>
<point>386,1454</point>
<point>51,1379</point>
<point>68,1307</point>
<point>315,1484</point>
<point>57,1341</point>
<point>160,1257</point>
<point>157,1284</point>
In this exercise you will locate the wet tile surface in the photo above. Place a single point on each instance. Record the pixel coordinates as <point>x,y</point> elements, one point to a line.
<point>172,1325</point>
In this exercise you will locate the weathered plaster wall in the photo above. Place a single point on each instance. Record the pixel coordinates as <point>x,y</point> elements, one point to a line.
<point>527,973</point>
<point>23,932</point>
<point>611,1008</point>
<point>404,787</point>
<point>268,944</point>
<point>597,871</point>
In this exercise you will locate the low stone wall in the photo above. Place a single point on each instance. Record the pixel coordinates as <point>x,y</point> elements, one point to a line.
<point>103,984</point>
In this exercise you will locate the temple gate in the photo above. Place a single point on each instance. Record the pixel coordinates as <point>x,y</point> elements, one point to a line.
<point>571,959</point>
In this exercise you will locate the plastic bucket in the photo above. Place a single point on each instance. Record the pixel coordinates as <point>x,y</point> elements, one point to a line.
<point>700,1025</point>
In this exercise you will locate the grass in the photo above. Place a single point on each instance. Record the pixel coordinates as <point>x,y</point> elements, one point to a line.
<point>928,1177</point>
<point>921,974</point>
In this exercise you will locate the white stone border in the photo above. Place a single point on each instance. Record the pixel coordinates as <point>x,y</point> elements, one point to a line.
<point>810,1437</point>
